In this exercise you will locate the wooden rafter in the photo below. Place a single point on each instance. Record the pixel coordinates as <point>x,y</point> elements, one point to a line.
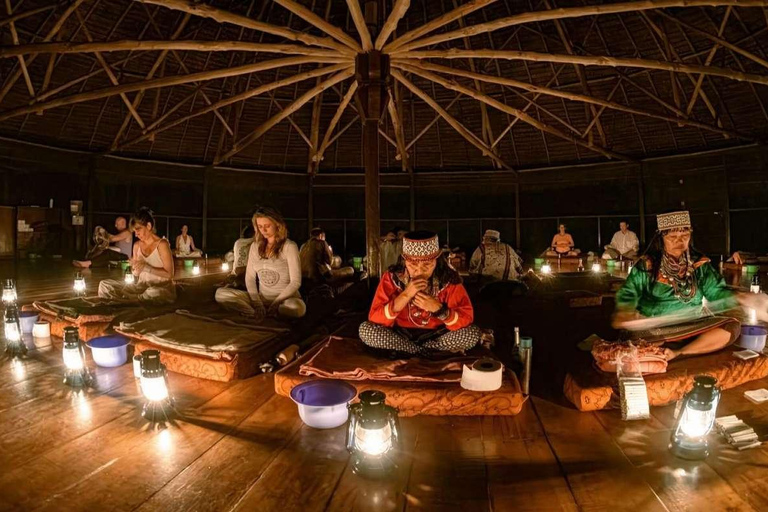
<point>397,125</point>
<point>569,12</point>
<point>453,85</point>
<point>362,28</point>
<point>293,107</point>
<point>222,16</point>
<point>25,14</point>
<point>15,39</point>
<point>165,82</point>
<point>587,60</point>
<point>318,22</point>
<point>456,125</point>
<point>327,141</point>
<point>431,124</point>
<point>398,11</point>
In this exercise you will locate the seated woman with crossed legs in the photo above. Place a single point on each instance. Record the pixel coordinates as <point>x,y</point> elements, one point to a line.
<point>272,275</point>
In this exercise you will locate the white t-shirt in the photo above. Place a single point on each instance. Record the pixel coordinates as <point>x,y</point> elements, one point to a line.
<point>275,279</point>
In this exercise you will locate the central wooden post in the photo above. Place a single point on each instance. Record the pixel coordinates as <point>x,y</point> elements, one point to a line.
<point>372,72</point>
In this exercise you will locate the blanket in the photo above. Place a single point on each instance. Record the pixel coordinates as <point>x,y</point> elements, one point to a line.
<point>349,359</point>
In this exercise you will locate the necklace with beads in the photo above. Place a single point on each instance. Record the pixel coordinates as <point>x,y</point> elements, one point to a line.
<point>680,274</point>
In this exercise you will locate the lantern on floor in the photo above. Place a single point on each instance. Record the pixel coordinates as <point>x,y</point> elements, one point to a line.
<point>225,266</point>
<point>154,387</point>
<point>596,267</point>
<point>695,419</point>
<point>546,268</point>
<point>754,286</point>
<point>14,342</point>
<point>196,269</point>
<point>129,277</point>
<point>373,435</point>
<point>9,292</point>
<point>75,370</point>
<point>79,285</point>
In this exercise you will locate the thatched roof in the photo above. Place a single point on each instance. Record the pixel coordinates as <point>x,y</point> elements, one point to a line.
<point>516,83</point>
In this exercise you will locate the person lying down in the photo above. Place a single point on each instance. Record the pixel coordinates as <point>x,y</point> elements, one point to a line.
<point>420,306</point>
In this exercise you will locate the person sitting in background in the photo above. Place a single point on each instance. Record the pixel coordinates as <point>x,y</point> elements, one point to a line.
<point>272,275</point>
<point>185,245</point>
<point>317,262</point>
<point>151,264</point>
<point>744,258</point>
<point>495,259</point>
<point>624,244</point>
<point>669,283</point>
<point>420,305</point>
<point>109,247</point>
<point>391,247</point>
<point>562,244</point>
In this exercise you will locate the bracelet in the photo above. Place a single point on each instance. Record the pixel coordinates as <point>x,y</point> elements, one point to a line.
<point>443,312</point>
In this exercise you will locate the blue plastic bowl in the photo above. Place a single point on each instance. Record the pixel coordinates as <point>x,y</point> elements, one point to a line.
<point>109,351</point>
<point>323,403</point>
<point>753,337</point>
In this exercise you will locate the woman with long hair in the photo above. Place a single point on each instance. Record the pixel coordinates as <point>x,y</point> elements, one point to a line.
<point>185,245</point>
<point>272,275</point>
<point>420,305</point>
<point>663,297</point>
<point>151,264</point>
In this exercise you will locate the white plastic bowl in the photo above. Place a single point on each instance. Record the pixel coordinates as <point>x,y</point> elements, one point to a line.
<point>109,351</point>
<point>323,403</point>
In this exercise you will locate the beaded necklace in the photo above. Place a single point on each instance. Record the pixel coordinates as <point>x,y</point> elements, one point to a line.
<point>679,272</point>
<point>416,315</point>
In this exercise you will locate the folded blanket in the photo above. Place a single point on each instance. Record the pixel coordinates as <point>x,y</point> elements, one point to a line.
<point>650,355</point>
<point>348,359</point>
<point>189,333</point>
<point>86,306</point>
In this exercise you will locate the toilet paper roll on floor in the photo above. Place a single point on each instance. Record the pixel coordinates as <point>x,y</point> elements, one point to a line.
<point>42,329</point>
<point>484,375</point>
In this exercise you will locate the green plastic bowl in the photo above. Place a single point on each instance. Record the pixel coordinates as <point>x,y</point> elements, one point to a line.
<point>357,262</point>
<point>610,263</point>
<point>125,264</point>
<point>189,263</point>
<point>751,268</point>
<point>537,262</point>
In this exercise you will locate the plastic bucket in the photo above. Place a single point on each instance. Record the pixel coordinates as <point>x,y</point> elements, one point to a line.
<point>125,264</point>
<point>109,351</point>
<point>28,319</point>
<point>189,263</point>
<point>323,403</point>
<point>537,262</point>
<point>357,262</point>
<point>751,269</point>
<point>753,337</point>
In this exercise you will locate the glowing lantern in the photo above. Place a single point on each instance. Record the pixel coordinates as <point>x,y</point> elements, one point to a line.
<point>79,285</point>
<point>196,269</point>
<point>546,269</point>
<point>76,372</point>
<point>14,343</point>
<point>129,277</point>
<point>224,266</point>
<point>373,434</point>
<point>9,292</point>
<point>154,386</point>
<point>596,267</point>
<point>695,420</point>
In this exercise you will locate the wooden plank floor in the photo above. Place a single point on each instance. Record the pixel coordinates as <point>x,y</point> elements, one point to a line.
<point>238,446</point>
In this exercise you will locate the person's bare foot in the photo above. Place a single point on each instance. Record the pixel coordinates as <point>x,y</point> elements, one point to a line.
<point>81,264</point>
<point>670,354</point>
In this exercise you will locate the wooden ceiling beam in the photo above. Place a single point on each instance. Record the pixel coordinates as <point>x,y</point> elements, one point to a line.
<point>293,107</point>
<point>362,28</point>
<point>15,39</point>
<point>398,11</point>
<point>566,13</point>
<point>25,14</point>
<point>318,22</point>
<point>318,156</point>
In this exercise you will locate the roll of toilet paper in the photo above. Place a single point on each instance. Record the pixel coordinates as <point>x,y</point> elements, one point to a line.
<point>484,375</point>
<point>42,329</point>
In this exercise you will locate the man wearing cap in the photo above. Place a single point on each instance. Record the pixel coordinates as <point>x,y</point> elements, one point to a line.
<point>669,283</point>
<point>624,244</point>
<point>495,259</point>
<point>420,305</point>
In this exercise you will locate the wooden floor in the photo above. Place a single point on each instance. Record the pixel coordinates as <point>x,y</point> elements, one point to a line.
<point>238,446</point>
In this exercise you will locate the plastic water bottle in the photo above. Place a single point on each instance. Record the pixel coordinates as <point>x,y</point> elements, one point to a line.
<point>526,353</point>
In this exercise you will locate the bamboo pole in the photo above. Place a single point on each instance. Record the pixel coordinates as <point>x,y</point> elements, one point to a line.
<point>450,84</point>
<point>429,66</point>
<point>398,11</point>
<point>587,60</point>
<point>319,155</point>
<point>25,14</point>
<point>153,131</point>
<point>571,12</point>
<point>318,22</point>
<point>187,45</point>
<point>438,22</point>
<point>359,20</point>
<point>207,11</point>
<point>293,107</point>
<point>456,125</point>
<point>164,82</point>
<point>397,124</point>
<point>430,124</point>
<point>15,39</point>
<point>71,83</point>
<point>51,34</point>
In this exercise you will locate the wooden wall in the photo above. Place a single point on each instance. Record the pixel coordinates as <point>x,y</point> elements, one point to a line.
<point>726,192</point>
